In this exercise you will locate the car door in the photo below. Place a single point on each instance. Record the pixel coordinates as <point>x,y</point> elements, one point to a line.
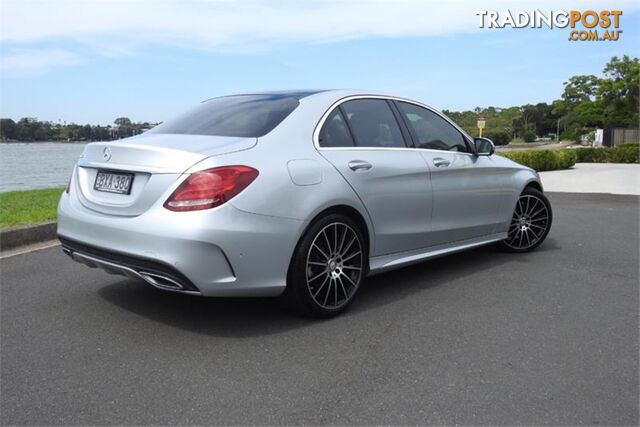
<point>467,192</point>
<point>363,139</point>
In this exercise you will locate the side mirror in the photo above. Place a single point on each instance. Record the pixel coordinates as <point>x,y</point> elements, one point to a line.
<point>484,146</point>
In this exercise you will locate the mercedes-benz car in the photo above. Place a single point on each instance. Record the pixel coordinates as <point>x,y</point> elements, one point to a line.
<point>299,194</point>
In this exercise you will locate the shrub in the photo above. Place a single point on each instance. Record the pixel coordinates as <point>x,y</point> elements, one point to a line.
<point>499,137</point>
<point>566,159</point>
<point>546,160</point>
<point>529,136</point>
<point>624,153</point>
<point>591,155</point>
<point>630,144</point>
<point>543,160</point>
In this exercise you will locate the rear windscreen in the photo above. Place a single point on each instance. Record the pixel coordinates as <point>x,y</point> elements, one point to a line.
<point>249,116</point>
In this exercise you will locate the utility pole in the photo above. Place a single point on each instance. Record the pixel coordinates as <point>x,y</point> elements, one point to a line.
<point>558,128</point>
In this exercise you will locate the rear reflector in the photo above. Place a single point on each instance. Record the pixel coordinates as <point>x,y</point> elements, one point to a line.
<point>210,188</point>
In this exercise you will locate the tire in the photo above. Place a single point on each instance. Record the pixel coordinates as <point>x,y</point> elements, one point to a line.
<point>327,267</point>
<point>530,223</point>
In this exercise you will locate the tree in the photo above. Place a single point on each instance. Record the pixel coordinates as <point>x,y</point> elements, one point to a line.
<point>579,89</point>
<point>529,136</point>
<point>589,102</point>
<point>125,127</point>
<point>123,122</point>
<point>31,129</point>
<point>528,115</point>
<point>26,129</point>
<point>588,114</point>
<point>100,133</point>
<point>618,92</point>
<point>7,129</point>
<point>41,132</point>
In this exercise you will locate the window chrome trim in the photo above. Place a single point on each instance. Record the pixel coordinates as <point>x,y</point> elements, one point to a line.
<point>320,124</point>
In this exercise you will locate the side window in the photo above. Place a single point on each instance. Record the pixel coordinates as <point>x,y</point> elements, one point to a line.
<point>431,130</point>
<point>373,123</point>
<point>334,132</point>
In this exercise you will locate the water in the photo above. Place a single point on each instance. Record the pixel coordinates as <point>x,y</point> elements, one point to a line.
<point>25,166</point>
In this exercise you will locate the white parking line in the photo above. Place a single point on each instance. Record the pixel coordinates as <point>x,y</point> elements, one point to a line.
<point>29,248</point>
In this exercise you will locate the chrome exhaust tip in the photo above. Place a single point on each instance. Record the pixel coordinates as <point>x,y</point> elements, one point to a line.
<point>159,281</point>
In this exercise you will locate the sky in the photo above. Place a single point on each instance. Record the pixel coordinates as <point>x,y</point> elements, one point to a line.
<point>93,61</point>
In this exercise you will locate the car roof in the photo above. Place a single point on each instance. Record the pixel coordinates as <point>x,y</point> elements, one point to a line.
<point>298,94</point>
<point>303,93</point>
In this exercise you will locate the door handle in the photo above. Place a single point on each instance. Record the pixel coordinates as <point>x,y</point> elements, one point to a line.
<point>356,165</point>
<point>440,162</point>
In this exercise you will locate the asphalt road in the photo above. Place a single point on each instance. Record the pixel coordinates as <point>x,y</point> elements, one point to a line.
<point>481,337</point>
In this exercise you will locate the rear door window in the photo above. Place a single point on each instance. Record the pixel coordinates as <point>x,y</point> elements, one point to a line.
<point>373,124</point>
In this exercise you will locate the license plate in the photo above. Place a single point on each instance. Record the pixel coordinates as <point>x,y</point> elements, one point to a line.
<point>113,182</point>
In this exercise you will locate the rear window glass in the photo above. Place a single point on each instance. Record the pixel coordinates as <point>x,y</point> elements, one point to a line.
<point>249,116</point>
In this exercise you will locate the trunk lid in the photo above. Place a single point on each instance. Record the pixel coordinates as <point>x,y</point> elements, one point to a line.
<point>156,162</point>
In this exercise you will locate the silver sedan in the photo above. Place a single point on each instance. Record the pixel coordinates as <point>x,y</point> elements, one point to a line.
<point>298,194</point>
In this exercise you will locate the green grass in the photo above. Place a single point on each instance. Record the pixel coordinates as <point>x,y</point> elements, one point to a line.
<point>28,207</point>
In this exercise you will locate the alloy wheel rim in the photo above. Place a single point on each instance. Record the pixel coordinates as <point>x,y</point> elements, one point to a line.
<point>334,265</point>
<point>529,223</point>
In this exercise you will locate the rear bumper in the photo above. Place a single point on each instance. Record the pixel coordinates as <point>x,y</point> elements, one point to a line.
<point>156,274</point>
<point>217,252</point>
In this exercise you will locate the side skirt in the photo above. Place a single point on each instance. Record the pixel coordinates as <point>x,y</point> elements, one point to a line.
<point>383,263</point>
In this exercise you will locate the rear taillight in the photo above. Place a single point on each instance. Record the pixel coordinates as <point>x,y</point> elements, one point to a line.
<point>210,188</point>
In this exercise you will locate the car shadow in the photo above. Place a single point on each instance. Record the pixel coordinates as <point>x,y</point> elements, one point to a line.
<point>385,288</point>
<point>246,317</point>
<point>231,317</point>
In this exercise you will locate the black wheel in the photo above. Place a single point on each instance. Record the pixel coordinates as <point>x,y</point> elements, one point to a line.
<point>328,266</point>
<point>530,223</point>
